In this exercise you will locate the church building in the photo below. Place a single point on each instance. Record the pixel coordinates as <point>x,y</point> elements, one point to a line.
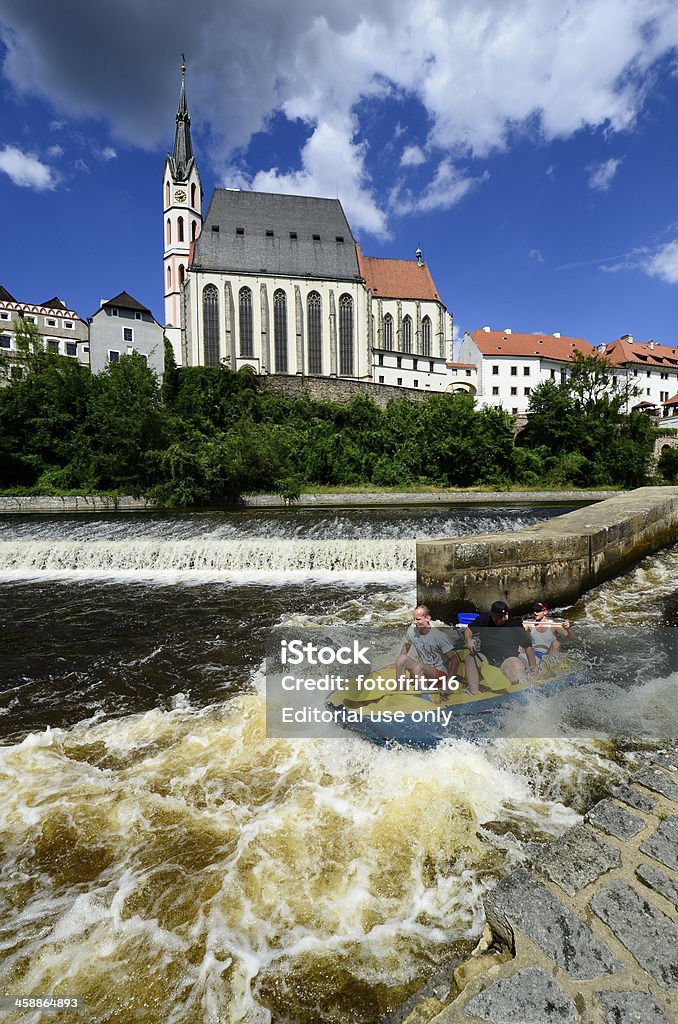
<point>278,283</point>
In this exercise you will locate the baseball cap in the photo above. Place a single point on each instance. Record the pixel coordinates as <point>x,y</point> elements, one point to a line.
<point>499,608</point>
<point>538,606</point>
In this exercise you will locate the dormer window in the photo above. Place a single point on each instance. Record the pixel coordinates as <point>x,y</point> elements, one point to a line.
<point>240,231</point>
<point>269,234</point>
<point>316,238</point>
<point>339,238</point>
<point>293,235</point>
<point>114,312</point>
<point>215,227</point>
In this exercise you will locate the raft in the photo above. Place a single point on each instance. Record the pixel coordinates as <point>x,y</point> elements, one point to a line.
<point>375,709</point>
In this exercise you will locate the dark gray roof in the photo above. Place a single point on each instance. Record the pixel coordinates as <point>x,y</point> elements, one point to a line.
<point>55,303</point>
<point>182,153</point>
<point>255,235</point>
<point>5,296</point>
<point>125,301</point>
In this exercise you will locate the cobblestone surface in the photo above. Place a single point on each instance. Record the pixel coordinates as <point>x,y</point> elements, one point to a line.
<point>610,818</point>
<point>610,926</point>
<point>576,859</point>
<point>647,933</point>
<point>531,996</point>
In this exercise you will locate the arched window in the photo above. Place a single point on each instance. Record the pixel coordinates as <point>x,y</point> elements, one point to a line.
<point>210,324</point>
<point>314,314</point>
<point>426,336</point>
<point>388,331</point>
<point>180,229</point>
<point>245,323</point>
<point>193,194</point>
<point>280,330</point>
<point>169,279</point>
<point>407,334</point>
<point>182,274</point>
<point>193,230</point>
<point>167,193</point>
<point>169,231</point>
<point>346,335</point>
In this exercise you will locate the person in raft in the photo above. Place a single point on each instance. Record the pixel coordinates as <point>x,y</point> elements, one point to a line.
<point>501,636</point>
<point>437,662</point>
<point>545,632</point>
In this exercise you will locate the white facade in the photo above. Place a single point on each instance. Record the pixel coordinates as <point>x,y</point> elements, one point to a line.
<point>507,378</point>
<point>60,329</point>
<point>182,216</point>
<point>279,324</point>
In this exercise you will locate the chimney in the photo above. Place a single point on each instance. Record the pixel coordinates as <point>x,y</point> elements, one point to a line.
<point>487,329</point>
<point>627,337</point>
<point>507,330</point>
<point>650,344</point>
<point>556,334</point>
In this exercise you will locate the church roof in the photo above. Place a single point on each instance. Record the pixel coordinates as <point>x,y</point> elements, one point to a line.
<point>125,301</point>
<point>546,346</point>
<point>55,303</point>
<point>397,279</point>
<point>285,236</point>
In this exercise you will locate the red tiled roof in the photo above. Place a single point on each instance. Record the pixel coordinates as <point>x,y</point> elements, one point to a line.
<point>397,279</point>
<point>498,343</point>
<point>672,401</point>
<point>623,351</point>
<point>461,366</point>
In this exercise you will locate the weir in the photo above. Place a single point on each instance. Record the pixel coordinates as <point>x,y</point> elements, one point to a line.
<point>555,561</point>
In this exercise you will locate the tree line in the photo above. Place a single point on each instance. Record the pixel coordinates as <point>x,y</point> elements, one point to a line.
<point>205,433</point>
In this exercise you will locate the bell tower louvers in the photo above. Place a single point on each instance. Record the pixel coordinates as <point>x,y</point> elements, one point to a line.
<point>182,215</point>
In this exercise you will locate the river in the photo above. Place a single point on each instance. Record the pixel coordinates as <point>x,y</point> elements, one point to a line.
<point>163,860</point>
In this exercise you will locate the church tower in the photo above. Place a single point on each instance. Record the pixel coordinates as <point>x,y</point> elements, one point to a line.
<point>182,216</point>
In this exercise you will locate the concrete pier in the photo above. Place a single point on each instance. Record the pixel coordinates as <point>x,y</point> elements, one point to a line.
<point>587,931</point>
<point>556,561</point>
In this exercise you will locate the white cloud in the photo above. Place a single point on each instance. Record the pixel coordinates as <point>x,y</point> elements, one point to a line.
<point>447,187</point>
<point>412,156</point>
<point>107,153</point>
<point>480,69</point>
<point>601,175</point>
<point>26,170</point>
<point>664,263</point>
<point>537,254</point>
<point>55,151</point>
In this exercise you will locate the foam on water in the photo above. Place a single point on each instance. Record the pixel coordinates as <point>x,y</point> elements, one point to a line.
<point>179,860</point>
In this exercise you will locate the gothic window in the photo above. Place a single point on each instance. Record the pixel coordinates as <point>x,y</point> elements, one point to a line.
<point>315,332</point>
<point>193,194</point>
<point>169,231</point>
<point>407,334</point>
<point>245,323</point>
<point>210,324</point>
<point>182,274</point>
<point>388,331</point>
<point>169,279</point>
<point>426,336</point>
<point>280,330</point>
<point>346,335</point>
<point>193,230</point>
<point>180,229</point>
<point>167,193</point>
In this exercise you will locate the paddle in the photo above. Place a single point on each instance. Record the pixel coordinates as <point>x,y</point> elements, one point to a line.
<point>491,676</point>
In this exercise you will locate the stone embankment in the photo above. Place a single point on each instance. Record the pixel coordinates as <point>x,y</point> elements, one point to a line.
<point>556,560</point>
<point>587,932</point>
<point>23,505</point>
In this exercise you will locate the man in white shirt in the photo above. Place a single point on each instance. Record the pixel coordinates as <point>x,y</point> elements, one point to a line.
<point>437,662</point>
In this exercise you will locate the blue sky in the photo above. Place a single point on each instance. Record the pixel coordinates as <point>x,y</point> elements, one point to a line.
<point>529,147</point>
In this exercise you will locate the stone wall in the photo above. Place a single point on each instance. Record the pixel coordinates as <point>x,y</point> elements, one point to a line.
<point>555,561</point>
<point>336,389</point>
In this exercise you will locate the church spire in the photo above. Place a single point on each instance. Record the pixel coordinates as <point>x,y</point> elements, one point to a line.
<point>182,154</point>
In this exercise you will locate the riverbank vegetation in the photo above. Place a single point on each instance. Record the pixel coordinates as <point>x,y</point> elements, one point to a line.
<point>207,432</point>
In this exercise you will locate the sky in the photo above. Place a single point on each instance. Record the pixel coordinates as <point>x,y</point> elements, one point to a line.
<point>529,147</point>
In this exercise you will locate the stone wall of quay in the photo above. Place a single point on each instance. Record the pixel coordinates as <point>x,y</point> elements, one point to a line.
<point>557,560</point>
